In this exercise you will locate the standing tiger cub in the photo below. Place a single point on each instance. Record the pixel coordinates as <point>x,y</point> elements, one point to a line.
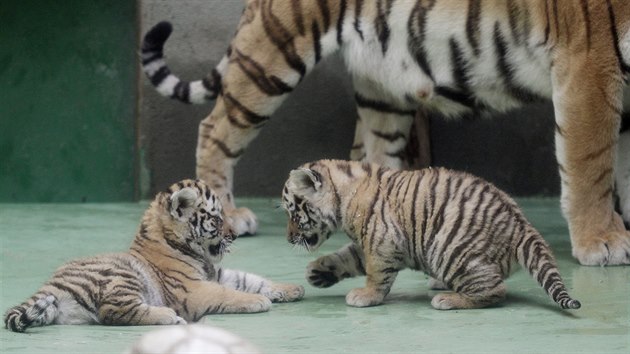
<point>459,229</point>
<point>451,56</point>
<point>169,275</point>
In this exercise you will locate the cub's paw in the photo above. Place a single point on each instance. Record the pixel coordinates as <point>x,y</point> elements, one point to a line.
<point>243,221</point>
<point>166,316</point>
<point>364,297</point>
<point>321,273</point>
<point>447,301</point>
<point>612,248</point>
<point>286,293</point>
<point>180,321</point>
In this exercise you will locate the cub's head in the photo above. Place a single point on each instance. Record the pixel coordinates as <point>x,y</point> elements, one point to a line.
<point>193,220</point>
<point>311,204</point>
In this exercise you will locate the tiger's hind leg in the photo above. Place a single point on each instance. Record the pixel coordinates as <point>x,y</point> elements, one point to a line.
<point>264,67</point>
<point>477,287</point>
<point>383,128</point>
<point>587,131</point>
<point>239,114</point>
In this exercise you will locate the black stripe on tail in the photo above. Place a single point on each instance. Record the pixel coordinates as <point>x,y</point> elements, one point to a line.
<point>533,253</point>
<point>166,83</point>
<point>37,313</point>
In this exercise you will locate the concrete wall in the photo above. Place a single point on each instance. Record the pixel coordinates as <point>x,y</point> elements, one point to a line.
<point>317,121</point>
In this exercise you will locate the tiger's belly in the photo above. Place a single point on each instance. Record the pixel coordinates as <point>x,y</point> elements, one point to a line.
<point>446,75</point>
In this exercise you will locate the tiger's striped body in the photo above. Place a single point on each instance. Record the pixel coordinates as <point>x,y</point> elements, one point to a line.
<point>453,56</point>
<point>460,230</point>
<point>169,275</point>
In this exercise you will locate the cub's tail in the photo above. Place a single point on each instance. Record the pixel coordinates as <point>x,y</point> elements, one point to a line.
<point>39,310</point>
<point>169,85</point>
<point>533,253</point>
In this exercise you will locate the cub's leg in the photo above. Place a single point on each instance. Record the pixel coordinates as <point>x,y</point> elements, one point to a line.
<point>131,310</point>
<point>254,284</point>
<point>587,118</point>
<point>326,271</point>
<point>381,273</point>
<point>204,298</point>
<point>477,287</point>
<point>383,127</point>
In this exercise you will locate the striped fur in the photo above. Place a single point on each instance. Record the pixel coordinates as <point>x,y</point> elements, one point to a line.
<point>456,57</point>
<point>622,171</point>
<point>460,230</point>
<point>169,275</point>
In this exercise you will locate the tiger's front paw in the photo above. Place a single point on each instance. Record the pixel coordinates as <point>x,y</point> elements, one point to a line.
<point>243,221</point>
<point>286,293</point>
<point>321,273</point>
<point>364,297</point>
<point>612,248</point>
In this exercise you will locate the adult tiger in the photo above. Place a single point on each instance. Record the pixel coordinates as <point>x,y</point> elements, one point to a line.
<point>450,56</point>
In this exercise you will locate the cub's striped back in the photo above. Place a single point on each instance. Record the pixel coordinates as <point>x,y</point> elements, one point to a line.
<point>459,229</point>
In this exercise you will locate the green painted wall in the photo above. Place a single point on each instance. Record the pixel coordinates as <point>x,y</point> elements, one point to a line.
<point>68,98</point>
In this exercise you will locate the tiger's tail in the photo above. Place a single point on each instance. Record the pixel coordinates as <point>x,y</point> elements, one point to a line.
<point>534,254</point>
<point>39,310</point>
<point>169,85</point>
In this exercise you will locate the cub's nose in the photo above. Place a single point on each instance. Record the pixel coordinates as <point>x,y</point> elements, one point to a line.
<point>292,232</point>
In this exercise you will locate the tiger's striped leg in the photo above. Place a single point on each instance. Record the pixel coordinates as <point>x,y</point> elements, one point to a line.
<point>587,129</point>
<point>255,284</point>
<point>480,286</point>
<point>357,153</point>
<point>383,128</point>
<point>222,139</point>
<point>328,270</point>
<point>381,272</point>
<point>208,297</point>
<point>116,311</point>
<point>255,83</point>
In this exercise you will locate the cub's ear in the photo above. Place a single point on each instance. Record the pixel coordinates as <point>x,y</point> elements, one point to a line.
<point>304,181</point>
<point>183,203</point>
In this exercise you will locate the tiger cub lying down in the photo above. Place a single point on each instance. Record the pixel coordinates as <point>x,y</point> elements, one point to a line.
<point>169,275</point>
<point>462,231</point>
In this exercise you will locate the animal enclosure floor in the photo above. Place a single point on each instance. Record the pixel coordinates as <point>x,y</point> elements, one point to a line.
<point>36,238</point>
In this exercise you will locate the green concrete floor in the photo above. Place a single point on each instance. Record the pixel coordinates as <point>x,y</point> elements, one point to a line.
<point>36,238</point>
